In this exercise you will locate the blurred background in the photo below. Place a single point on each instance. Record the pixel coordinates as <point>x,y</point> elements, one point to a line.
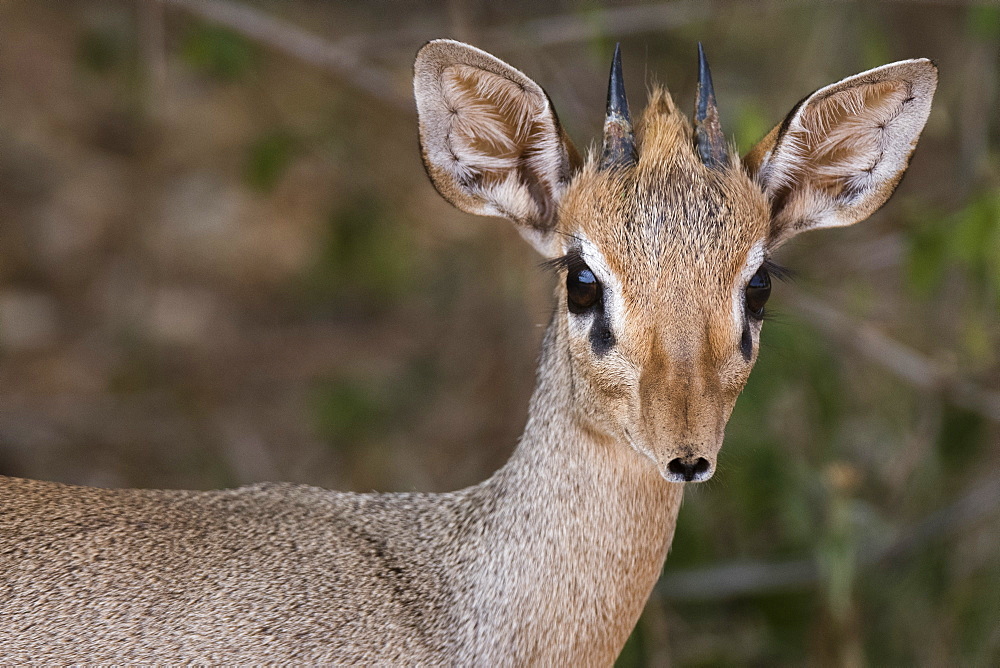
<point>221,262</point>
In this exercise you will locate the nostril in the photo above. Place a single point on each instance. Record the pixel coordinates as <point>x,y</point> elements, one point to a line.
<point>701,466</point>
<point>687,469</point>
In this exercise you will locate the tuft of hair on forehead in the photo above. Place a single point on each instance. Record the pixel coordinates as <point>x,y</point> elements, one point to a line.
<point>663,132</point>
<point>666,137</point>
<point>665,143</point>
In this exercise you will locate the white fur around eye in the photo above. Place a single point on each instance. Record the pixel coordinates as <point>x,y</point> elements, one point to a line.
<point>755,258</point>
<point>612,288</point>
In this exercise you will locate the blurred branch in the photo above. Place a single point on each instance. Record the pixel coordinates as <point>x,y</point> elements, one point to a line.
<point>901,360</point>
<point>342,57</point>
<point>153,49</point>
<point>604,22</point>
<point>293,41</point>
<point>749,578</point>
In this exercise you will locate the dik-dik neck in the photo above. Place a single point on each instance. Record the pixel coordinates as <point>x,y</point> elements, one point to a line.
<point>573,537</point>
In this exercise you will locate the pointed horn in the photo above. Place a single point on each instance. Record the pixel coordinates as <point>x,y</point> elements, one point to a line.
<point>709,140</point>
<point>619,140</point>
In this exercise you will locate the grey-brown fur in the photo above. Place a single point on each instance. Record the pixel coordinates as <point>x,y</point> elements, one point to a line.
<point>285,572</point>
<point>551,560</point>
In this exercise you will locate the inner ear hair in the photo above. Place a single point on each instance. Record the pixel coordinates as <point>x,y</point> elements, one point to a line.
<point>490,139</point>
<point>838,156</point>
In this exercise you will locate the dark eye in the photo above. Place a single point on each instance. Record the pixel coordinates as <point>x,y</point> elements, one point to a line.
<point>583,291</point>
<point>757,292</point>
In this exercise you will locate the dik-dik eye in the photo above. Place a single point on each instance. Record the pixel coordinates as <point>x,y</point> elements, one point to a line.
<point>757,292</point>
<point>583,290</point>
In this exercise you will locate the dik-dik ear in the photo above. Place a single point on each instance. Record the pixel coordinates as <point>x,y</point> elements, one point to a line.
<point>490,140</point>
<point>840,153</point>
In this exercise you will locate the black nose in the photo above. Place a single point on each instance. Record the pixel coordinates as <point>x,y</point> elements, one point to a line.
<point>688,468</point>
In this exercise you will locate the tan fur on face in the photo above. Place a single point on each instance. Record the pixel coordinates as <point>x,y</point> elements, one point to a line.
<point>676,236</point>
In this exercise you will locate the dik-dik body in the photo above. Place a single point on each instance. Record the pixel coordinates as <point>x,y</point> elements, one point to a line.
<point>661,239</point>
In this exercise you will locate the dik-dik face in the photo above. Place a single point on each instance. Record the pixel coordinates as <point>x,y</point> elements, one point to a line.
<point>665,278</point>
<point>663,239</point>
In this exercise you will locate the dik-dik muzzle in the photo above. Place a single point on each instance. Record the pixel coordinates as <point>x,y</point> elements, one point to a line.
<point>684,416</point>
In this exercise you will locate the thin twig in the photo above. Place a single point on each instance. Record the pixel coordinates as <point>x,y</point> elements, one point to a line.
<point>901,360</point>
<point>582,26</point>
<point>296,42</point>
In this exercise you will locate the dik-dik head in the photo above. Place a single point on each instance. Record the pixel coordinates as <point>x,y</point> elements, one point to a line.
<point>663,237</point>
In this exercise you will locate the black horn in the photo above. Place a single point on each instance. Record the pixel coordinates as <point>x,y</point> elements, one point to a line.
<point>619,140</point>
<point>709,140</point>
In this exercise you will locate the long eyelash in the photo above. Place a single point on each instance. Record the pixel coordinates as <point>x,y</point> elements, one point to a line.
<point>570,259</point>
<point>781,273</point>
<point>555,264</point>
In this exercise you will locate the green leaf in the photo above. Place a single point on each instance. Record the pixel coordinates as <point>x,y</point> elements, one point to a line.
<point>346,411</point>
<point>984,21</point>
<point>268,158</point>
<point>751,126</point>
<point>219,52</point>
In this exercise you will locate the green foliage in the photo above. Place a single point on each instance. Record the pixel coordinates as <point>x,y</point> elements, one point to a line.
<point>219,52</point>
<point>267,159</point>
<point>976,616</point>
<point>103,49</point>
<point>633,654</point>
<point>353,412</point>
<point>984,21</point>
<point>752,124</point>
<point>961,438</point>
<point>927,257</point>
<point>366,257</point>
<point>963,244</point>
<point>975,235</point>
<point>346,410</point>
<point>968,239</point>
<point>875,44</point>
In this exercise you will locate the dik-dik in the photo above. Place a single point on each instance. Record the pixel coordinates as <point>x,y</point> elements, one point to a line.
<point>662,240</point>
